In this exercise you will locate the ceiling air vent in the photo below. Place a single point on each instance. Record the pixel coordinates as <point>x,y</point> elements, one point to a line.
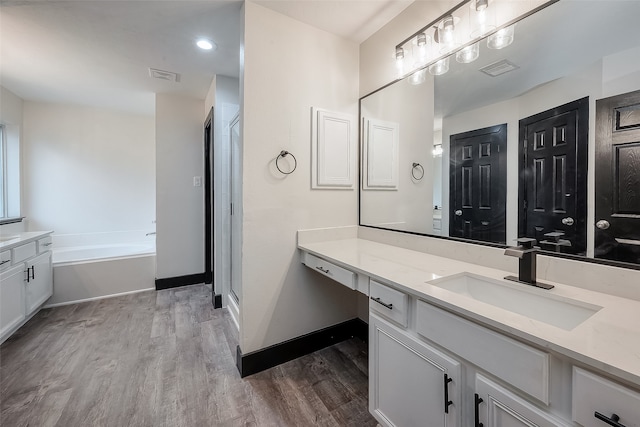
<point>498,68</point>
<point>164,75</point>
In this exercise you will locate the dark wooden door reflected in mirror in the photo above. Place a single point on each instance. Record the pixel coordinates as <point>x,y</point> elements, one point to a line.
<point>553,177</point>
<point>617,216</point>
<point>478,184</point>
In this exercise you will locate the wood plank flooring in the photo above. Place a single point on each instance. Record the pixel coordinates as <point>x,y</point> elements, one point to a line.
<point>167,358</point>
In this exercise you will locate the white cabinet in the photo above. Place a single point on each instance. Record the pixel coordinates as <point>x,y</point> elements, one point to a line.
<point>12,304</point>
<point>597,401</point>
<point>39,282</point>
<point>496,406</point>
<point>26,282</point>
<point>410,383</point>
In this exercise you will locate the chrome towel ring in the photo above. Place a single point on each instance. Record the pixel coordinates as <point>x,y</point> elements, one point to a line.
<point>420,169</point>
<point>284,153</point>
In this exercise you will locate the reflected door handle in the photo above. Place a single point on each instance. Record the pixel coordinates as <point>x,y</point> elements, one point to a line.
<point>603,224</point>
<point>458,212</point>
<point>568,221</point>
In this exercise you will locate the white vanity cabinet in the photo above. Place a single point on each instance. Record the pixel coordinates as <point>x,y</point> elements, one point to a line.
<point>39,281</point>
<point>495,406</point>
<point>26,281</point>
<point>12,301</point>
<point>410,383</point>
<point>598,402</point>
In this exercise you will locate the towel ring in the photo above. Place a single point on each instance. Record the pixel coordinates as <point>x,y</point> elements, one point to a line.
<point>413,171</point>
<point>284,153</point>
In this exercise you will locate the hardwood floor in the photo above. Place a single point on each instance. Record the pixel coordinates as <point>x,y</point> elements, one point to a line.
<point>167,358</point>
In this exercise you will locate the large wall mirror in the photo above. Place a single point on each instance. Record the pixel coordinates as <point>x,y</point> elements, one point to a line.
<point>540,138</point>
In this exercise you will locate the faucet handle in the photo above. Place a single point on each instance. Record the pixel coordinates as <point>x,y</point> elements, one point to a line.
<point>526,242</point>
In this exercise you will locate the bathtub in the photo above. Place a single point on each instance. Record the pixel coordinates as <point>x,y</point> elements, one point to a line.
<point>83,271</point>
<point>100,252</point>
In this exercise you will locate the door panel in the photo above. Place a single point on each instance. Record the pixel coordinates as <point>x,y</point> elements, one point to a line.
<point>552,189</point>
<point>617,233</point>
<point>478,184</point>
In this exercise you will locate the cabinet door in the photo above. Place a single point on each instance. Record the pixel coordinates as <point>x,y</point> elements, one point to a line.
<point>500,407</point>
<point>40,283</point>
<point>407,382</point>
<point>11,300</point>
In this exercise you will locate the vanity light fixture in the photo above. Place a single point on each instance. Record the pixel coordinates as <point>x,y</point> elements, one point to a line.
<point>481,5</point>
<point>418,77</point>
<point>439,68</point>
<point>444,30</point>
<point>205,44</point>
<point>458,32</point>
<point>468,54</point>
<point>501,38</point>
<point>400,60</point>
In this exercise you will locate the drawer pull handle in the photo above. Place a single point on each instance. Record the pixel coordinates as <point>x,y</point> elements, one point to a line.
<point>447,402</point>
<point>478,401</point>
<point>47,244</point>
<point>613,421</point>
<point>5,261</point>
<point>379,301</point>
<point>324,270</point>
<point>33,273</point>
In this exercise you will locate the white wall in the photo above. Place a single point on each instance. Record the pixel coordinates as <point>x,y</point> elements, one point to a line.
<point>179,205</point>
<point>11,116</point>
<point>87,169</point>
<point>288,68</point>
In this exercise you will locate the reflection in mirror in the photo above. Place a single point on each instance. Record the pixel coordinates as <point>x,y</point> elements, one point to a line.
<point>548,66</point>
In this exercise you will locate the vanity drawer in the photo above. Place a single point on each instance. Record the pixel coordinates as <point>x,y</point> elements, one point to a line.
<point>524,367</point>
<point>44,244</point>
<point>332,271</point>
<point>592,393</point>
<point>22,252</point>
<point>389,302</point>
<point>5,259</point>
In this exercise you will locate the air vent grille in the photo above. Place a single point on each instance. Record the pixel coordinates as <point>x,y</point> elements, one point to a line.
<point>164,75</point>
<point>499,68</point>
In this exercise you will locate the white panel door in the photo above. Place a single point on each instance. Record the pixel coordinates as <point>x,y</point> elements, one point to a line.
<point>380,156</point>
<point>499,407</point>
<point>333,150</point>
<point>39,286</point>
<point>407,382</point>
<point>12,305</point>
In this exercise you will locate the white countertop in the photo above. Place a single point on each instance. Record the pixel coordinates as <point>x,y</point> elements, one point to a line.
<point>21,238</point>
<point>608,341</point>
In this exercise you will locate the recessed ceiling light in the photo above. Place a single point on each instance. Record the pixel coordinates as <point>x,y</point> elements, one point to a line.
<point>205,44</point>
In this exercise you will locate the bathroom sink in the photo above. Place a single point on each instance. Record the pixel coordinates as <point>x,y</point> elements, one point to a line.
<point>531,302</point>
<point>6,238</point>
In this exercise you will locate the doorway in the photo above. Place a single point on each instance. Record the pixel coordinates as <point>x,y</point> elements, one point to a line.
<point>617,215</point>
<point>478,184</point>
<point>552,186</point>
<point>208,200</point>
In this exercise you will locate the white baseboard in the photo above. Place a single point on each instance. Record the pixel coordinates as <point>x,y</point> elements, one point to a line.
<point>232,306</point>
<point>97,298</point>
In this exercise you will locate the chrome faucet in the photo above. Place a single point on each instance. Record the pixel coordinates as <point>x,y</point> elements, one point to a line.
<point>526,253</point>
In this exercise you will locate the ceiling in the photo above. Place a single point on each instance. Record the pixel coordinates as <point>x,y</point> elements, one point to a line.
<point>98,52</point>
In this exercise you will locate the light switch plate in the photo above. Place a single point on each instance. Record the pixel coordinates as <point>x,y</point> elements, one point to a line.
<point>197,181</point>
